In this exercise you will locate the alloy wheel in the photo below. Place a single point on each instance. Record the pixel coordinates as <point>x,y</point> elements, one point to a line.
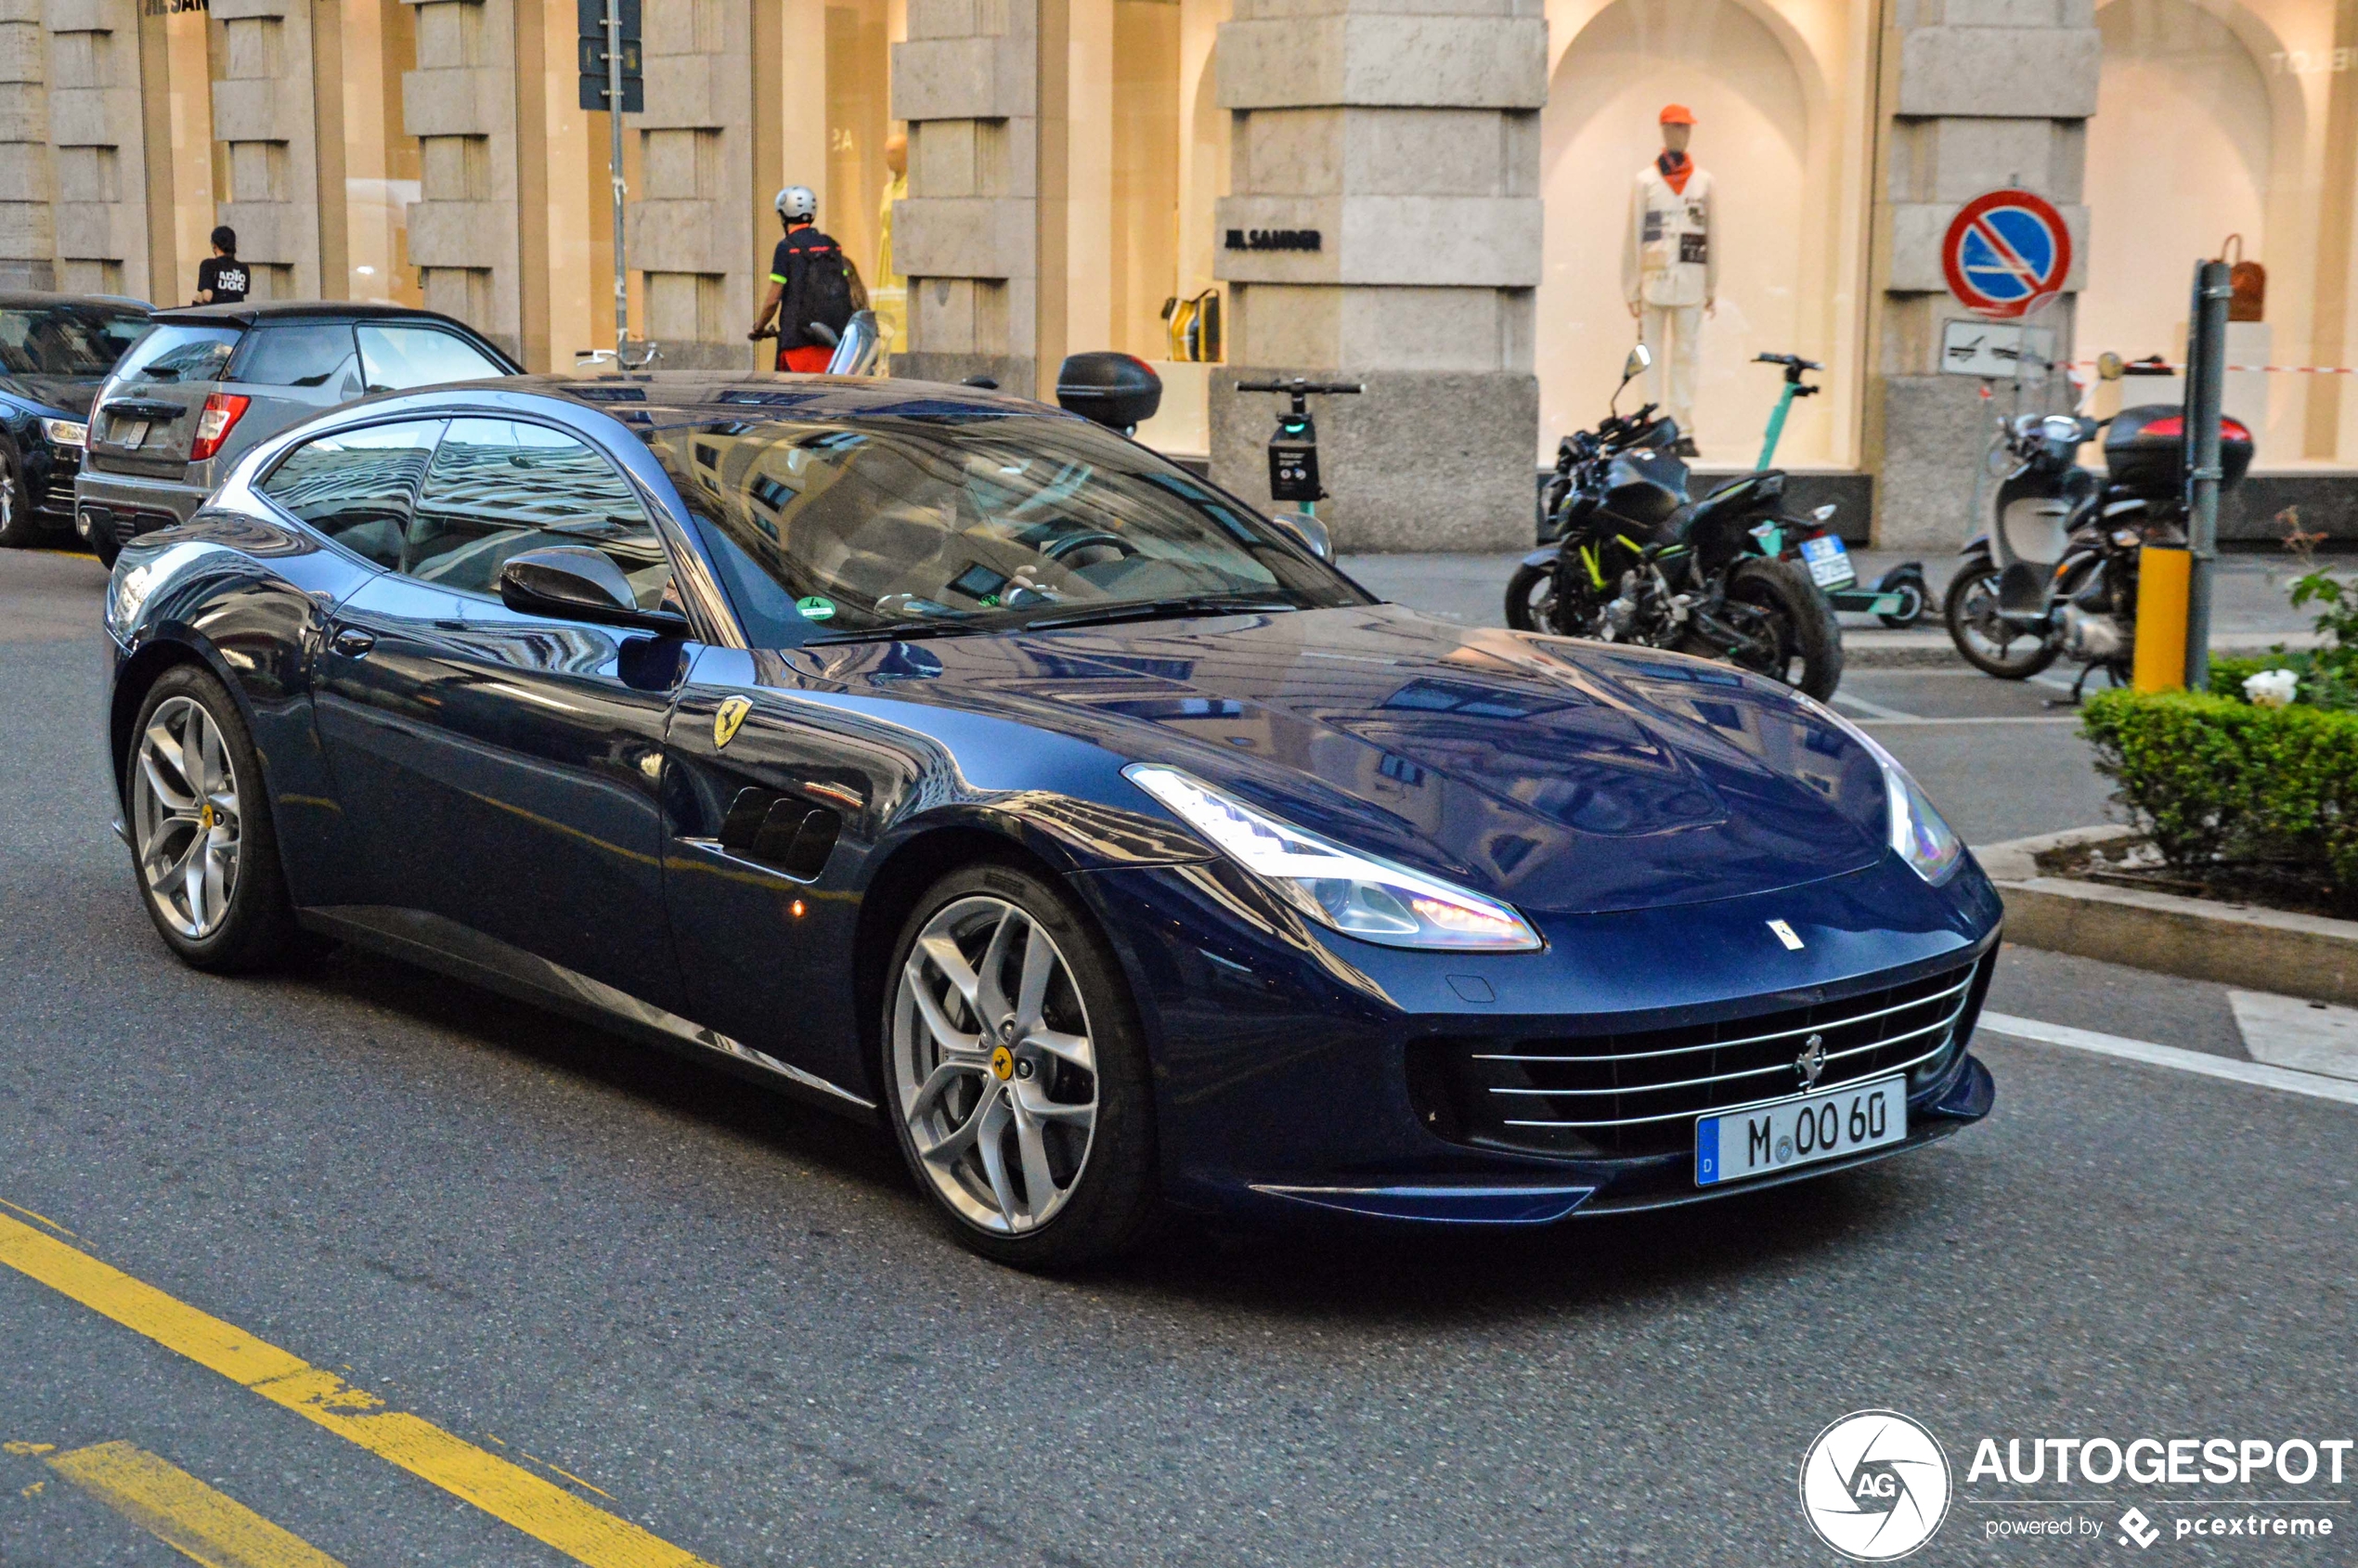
<point>184,816</point>
<point>995,1073</point>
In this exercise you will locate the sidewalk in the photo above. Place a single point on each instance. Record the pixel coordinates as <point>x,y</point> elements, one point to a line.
<point>2249,612</point>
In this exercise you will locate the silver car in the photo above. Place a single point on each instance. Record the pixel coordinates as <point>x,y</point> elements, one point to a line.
<point>207,382</point>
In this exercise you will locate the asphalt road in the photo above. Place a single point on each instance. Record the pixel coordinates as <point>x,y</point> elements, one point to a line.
<point>729,1321</point>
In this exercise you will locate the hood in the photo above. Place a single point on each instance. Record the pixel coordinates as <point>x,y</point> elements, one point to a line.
<point>1565,776</point>
<point>67,394</point>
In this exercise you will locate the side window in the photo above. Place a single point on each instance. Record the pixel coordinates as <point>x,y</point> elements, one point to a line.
<point>357,487</point>
<point>316,354</point>
<point>172,354</point>
<point>396,358</point>
<point>498,487</point>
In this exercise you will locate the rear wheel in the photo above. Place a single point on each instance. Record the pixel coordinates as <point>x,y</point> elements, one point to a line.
<point>19,525</point>
<point>1984,638</point>
<point>1791,632</point>
<point>201,839</point>
<point>1915,597</point>
<point>1015,1074</point>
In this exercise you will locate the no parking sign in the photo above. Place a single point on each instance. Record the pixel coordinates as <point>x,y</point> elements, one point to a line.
<point>2006,252</point>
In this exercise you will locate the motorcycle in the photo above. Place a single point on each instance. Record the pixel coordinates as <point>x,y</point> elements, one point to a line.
<point>1635,558</point>
<point>2054,574</point>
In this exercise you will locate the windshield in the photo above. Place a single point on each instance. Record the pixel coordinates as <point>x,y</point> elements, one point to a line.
<point>80,341</point>
<point>920,526</point>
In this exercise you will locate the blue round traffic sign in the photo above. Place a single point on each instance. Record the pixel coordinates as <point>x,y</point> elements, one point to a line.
<point>2006,251</point>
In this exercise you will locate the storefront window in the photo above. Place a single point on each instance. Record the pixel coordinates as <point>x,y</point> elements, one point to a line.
<point>382,163</point>
<point>862,143</point>
<point>2212,121</point>
<point>1780,96</point>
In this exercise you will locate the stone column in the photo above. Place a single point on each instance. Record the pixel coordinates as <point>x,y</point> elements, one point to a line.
<point>28,238</point>
<point>691,233</point>
<point>261,112</point>
<point>968,235</point>
<point>1405,135</point>
<point>460,104</point>
<point>98,149</point>
<point>1982,95</point>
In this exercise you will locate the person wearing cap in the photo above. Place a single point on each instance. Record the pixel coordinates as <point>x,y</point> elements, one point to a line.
<point>809,286</point>
<point>1670,269</point>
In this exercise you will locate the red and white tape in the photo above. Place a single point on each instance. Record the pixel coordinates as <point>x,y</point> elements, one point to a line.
<point>2148,366</point>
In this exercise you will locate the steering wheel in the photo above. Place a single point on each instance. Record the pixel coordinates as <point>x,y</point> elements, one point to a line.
<point>1057,550</point>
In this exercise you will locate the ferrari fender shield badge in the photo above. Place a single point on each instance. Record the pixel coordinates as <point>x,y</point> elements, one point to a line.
<point>724,723</point>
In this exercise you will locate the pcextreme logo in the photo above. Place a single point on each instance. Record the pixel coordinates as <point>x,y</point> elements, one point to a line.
<point>1875,1485</point>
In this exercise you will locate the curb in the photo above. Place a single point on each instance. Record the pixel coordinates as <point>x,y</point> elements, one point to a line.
<point>2305,956</point>
<point>1868,648</point>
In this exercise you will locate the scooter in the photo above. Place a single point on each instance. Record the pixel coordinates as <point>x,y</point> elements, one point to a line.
<point>1901,596</point>
<point>1293,455</point>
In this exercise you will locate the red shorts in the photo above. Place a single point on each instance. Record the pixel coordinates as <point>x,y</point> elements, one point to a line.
<point>811,360</point>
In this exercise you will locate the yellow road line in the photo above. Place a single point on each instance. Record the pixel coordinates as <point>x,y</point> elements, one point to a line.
<point>183,1513</point>
<point>540,1508</point>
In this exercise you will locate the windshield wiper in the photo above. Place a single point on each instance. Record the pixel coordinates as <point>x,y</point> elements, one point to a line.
<point>904,633</point>
<point>1157,609</point>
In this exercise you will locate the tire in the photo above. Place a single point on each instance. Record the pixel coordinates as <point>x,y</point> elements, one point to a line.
<point>1772,598</point>
<point>203,847</point>
<point>1971,612</point>
<point>1531,598</point>
<point>998,1112</point>
<point>1916,598</point>
<point>19,527</point>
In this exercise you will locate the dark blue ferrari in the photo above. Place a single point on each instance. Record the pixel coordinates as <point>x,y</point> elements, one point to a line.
<point>965,766</point>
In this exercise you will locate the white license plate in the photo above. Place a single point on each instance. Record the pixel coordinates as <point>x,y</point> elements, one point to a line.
<point>1829,560</point>
<point>1800,1131</point>
<point>133,433</point>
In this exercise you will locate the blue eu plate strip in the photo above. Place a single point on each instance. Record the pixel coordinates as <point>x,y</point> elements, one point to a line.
<point>1707,1151</point>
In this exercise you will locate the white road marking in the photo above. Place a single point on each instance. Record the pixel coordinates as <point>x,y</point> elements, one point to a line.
<point>1988,718</point>
<point>1875,709</point>
<point>2288,1032</point>
<point>2259,1075</point>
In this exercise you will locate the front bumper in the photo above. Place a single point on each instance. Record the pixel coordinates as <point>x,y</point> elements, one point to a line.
<point>1285,1060</point>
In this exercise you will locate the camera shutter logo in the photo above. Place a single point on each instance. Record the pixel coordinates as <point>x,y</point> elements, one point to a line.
<point>1875,1485</point>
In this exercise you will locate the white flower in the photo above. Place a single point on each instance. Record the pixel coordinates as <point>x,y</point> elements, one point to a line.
<point>2271,688</point>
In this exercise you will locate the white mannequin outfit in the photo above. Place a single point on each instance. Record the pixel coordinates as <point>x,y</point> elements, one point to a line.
<point>1670,269</point>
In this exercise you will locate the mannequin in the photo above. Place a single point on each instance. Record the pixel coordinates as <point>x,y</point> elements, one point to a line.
<point>1670,269</point>
<point>889,298</point>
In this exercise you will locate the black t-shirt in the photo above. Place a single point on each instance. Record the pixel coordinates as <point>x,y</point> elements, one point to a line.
<point>809,264</point>
<point>226,276</point>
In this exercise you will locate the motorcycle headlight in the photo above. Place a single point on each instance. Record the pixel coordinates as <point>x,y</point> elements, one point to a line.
<point>1358,895</point>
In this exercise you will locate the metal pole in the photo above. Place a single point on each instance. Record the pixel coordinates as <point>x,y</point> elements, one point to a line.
<point>2206,381</point>
<point>613,167</point>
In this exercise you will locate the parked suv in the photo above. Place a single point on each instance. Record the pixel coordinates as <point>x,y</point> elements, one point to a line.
<point>209,382</point>
<point>55,352</point>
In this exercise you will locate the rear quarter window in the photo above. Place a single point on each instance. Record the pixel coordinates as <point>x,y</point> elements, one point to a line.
<point>317,354</point>
<point>173,353</point>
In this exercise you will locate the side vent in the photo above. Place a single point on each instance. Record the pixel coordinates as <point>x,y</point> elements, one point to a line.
<point>781,831</point>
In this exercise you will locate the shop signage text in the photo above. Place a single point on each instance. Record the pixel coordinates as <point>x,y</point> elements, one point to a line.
<point>1273,239</point>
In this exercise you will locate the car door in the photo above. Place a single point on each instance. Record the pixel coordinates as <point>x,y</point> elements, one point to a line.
<point>502,769</point>
<point>147,416</point>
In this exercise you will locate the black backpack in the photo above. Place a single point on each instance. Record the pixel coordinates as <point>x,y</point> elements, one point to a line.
<point>826,286</point>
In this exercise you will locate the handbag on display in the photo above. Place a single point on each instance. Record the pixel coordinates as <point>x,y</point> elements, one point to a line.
<point>1194,325</point>
<point>2250,281</point>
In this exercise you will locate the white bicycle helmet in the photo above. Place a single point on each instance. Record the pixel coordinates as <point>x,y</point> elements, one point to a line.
<point>797,204</point>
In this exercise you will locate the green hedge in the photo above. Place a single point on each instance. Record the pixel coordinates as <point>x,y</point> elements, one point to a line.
<point>2212,778</point>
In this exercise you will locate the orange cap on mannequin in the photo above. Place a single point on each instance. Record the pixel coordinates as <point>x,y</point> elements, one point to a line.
<point>1677,114</point>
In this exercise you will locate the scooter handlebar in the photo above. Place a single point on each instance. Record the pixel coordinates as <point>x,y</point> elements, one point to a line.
<point>1300,387</point>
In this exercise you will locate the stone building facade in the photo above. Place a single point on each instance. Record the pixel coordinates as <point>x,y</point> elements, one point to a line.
<point>1426,197</point>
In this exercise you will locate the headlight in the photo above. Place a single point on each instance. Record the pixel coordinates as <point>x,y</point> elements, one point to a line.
<point>1355,894</point>
<point>1915,828</point>
<point>66,433</point>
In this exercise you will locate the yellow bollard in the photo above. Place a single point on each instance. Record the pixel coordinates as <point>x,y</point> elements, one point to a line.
<point>2162,575</point>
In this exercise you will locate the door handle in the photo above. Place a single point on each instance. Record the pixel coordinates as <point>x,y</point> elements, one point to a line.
<point>351,641</point>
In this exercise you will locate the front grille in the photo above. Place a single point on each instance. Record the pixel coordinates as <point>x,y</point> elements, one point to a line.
<point>1638,1093</point>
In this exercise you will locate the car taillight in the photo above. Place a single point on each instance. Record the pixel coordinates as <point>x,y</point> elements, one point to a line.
<point>221,411</point>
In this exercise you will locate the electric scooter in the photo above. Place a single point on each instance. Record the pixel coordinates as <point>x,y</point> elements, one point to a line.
<point>1900,597</point>
<point>1293,455</point>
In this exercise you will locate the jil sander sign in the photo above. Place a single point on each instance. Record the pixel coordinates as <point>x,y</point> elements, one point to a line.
<point>1273,239</point>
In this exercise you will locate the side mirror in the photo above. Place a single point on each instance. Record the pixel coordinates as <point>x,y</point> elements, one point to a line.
<point>1118,391</point>
<point>569,582</point>
<point>2108,366</point>
<point>1309,530</point>
<point>1640,360</point>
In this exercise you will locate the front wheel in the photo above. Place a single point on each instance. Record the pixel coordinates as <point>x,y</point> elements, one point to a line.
<point>1015,1074</point>
<point>1987,640</point>
<point>1531,598</point>
<point>1791,631</point>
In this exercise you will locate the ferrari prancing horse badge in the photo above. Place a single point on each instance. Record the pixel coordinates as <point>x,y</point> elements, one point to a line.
<point>724,723</point>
